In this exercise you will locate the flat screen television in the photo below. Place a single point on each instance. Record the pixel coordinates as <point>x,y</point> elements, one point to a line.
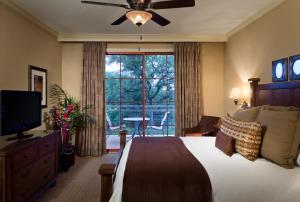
<point>19,111</point>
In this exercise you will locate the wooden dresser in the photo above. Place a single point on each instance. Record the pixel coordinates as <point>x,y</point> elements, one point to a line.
<point>27,167</point>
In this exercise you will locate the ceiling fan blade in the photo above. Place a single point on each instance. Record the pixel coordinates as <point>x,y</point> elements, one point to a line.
<point>120,20</point>
<point>159,19</point>
<point>105,4</point>
<point>172,4</point>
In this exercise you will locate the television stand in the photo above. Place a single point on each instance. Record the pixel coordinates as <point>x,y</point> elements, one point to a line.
<point>28,168</point>
<point>20,136</point>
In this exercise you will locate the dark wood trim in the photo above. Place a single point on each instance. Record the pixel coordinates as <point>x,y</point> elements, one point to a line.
<point>253,85</point>
<point>123,134</point>
<point>279,94</point>
<point>284,85</point>
<point>106,171</point>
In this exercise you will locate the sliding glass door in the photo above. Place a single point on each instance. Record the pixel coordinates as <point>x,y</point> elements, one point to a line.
<point>140,94</point>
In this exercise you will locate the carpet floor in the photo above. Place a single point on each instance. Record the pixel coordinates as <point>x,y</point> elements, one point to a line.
<point>80,184</point>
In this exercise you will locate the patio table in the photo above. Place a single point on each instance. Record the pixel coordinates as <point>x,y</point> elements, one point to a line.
<point>137,121</point>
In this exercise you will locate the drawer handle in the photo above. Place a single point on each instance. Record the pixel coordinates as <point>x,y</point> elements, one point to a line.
<point>25,157</point>
<point>46,161</point>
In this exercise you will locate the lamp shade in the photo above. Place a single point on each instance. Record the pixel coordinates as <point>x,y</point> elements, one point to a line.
<point>138,17</point>
<point>235,93</point>
<point>246,92</point>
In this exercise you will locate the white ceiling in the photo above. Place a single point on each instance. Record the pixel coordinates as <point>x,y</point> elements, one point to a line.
<point>209,17</point>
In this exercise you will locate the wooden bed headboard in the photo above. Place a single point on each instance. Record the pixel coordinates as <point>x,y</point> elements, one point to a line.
<point>276,94</point>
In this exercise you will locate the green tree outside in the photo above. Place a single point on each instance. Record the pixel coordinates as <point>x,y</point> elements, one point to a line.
<point>159,86</point>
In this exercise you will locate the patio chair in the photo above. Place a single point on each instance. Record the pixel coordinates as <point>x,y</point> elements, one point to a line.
<point>162,124</point>
<point>109,127</point>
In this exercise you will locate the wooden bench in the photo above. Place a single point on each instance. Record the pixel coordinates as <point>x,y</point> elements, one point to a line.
<point>108,168</point>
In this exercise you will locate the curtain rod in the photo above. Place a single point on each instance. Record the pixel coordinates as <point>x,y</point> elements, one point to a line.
<point>115,42</point>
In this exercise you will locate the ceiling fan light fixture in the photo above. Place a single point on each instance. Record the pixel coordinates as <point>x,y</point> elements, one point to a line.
<point>139,17</point>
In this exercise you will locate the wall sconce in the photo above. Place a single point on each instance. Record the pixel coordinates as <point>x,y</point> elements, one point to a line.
<point>236,94</point>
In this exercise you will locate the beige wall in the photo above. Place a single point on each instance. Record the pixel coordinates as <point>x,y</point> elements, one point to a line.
<point>212,73</point>
<point>212,78</point>
<point>72,68</point>
<point>250,52</point>
<point>22,43</point>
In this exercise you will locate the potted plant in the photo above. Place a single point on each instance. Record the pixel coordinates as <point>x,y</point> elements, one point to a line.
<point>68,118</point>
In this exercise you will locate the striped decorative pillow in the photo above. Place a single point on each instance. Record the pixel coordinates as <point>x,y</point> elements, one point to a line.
<point>246,134</point>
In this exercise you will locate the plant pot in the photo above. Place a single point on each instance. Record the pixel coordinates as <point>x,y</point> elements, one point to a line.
<point>67,158</point>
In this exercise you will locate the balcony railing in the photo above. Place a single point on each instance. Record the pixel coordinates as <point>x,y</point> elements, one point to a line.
<point>154,114</point>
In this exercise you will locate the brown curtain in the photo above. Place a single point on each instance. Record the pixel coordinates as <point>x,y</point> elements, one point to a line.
<point>188,85</point>
<point>91,140</point>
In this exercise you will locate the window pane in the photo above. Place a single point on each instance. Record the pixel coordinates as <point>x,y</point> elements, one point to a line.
<point>112,67</point>
<point>157,125</point>
<point>112,90</point>
<point>132,90</point>
<point>156,66</point>
<point>156,90</point>
<point>125,89</point>
<point>171,109</point>
<point>171,92</point>
<point>155,113</point>
<point>131,110</point>
<point>132,115</point>
<point>132,66</point>
<point>171,130</point>
<point>171,66</point>
<point>112,119</point>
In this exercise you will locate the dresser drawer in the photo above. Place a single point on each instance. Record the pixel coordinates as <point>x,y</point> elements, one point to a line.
<point>23,194</point>
<point>47,145</point>
<point>24,157</point>
<point>46,169</point>
<point>25,183</point>
<point>25,175</point>
<point>26,167</point>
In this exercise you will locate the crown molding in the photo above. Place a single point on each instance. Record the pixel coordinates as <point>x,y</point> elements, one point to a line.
<point>28,16</point>
<point>141,38</point>
<point>69,37</point>
<point>271,6</point>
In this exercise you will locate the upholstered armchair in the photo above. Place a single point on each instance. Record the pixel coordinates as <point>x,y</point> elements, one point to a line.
<point>208,126</point>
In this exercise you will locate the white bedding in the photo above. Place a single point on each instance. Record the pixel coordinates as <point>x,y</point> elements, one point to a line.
<point>233,179</point>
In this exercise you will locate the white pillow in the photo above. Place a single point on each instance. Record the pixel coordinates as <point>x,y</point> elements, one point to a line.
<point>298,160</point>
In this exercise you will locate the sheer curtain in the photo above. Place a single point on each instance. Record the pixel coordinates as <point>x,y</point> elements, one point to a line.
<point>91,140</point>
<point>188,85</point>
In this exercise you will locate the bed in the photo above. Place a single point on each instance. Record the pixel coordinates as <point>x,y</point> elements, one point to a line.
<point>232,178</point>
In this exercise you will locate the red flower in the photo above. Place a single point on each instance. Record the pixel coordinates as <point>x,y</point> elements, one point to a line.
<point>70,108</point>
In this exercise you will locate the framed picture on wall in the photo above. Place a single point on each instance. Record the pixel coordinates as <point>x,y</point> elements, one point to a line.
<point>38,82</point>
<point>294,68</point>
<point>280,70</point>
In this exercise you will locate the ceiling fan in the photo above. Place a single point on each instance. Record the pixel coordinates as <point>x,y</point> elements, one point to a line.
<point>138,10</point>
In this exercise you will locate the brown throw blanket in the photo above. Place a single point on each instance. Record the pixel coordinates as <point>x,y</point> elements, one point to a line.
<point>163,170</point>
